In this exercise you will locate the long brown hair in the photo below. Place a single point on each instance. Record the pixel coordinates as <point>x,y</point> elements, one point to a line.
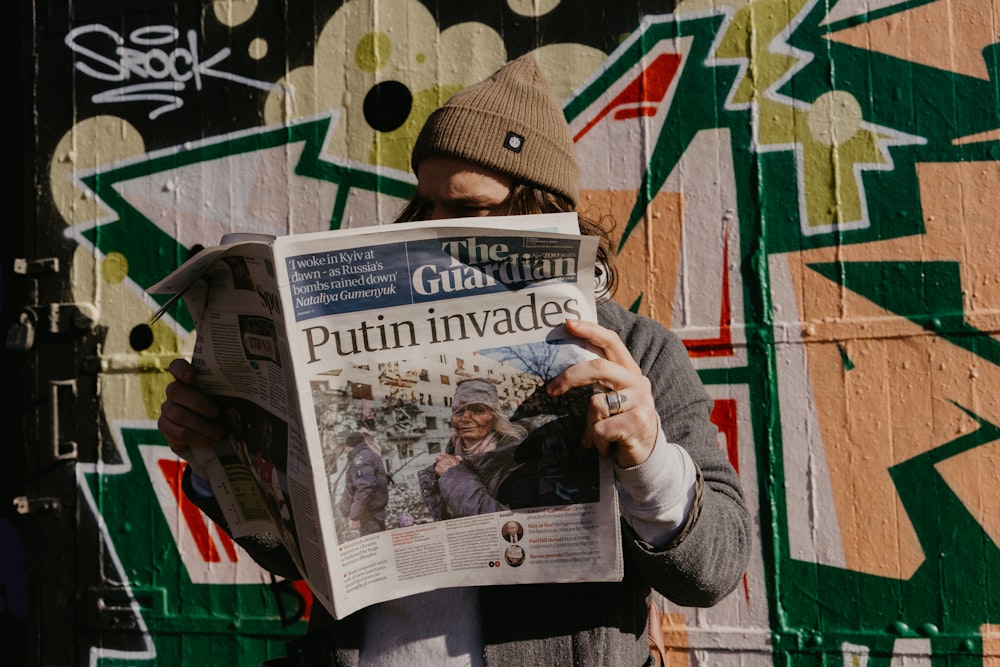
<point>526,199</point>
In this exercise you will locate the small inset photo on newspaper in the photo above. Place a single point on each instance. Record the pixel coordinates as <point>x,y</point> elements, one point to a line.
<point>453,436</point>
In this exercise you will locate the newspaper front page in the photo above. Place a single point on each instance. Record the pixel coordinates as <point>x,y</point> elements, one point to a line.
<point>373,338</point>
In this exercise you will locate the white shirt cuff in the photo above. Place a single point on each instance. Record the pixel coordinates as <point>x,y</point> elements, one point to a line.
<point>657,495</point>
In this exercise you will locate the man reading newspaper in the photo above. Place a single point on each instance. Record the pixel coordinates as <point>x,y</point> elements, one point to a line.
<point>502,147</point>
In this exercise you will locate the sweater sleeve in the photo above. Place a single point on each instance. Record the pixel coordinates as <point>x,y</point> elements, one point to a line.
<point>708,563</point>
<point>465,494</point>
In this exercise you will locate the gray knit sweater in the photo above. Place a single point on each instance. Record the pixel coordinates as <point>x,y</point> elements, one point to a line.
<point>598,623</point>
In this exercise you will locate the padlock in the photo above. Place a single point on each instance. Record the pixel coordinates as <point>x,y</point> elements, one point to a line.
<point>21,335</point>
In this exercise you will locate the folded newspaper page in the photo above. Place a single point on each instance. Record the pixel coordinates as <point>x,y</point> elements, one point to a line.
<point>384,393</point>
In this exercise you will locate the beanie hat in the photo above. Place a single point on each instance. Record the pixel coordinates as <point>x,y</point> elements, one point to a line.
<point>355,438</point>
<point>475,390</point>
<point>511,123</point>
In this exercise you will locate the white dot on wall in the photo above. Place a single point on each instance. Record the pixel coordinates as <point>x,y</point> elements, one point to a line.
<point>257,48</point>
<point>835,117</point>
<point>233,12</point>
<point>532,7</point>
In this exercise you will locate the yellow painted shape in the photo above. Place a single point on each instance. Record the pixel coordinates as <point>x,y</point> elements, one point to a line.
<point>832,192</point>
<point>114,268</point>
<point>532,7</point>
<point>828,134</point>
<point>366,43</point>
<point>153,364</point>
<point>131,382</point>
<point>568,66</point>
<point>749,36</point>
<point>692,6</point>
<point>944,34</point>
<point>153,391</point>
<point>373,51</point>
<point>393,149</point>
<point>91,143</point>
<point>233,12</point>
<point>408,48</point>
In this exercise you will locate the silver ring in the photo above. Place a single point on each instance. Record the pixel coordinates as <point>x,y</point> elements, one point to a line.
<point>614,400</point>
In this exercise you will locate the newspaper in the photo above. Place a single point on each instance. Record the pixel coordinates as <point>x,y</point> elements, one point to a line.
<point>307,339</point>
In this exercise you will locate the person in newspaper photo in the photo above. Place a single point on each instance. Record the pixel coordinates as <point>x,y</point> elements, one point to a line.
<point>476,474</point>
<point>514,555</point>
<point>503,147</point>
<point>512,532</point>
<point>366,487</point>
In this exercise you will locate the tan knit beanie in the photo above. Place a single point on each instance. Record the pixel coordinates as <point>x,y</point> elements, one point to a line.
<point>511,123</point>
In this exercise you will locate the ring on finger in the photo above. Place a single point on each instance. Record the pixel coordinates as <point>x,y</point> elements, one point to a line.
<point>615,401</point>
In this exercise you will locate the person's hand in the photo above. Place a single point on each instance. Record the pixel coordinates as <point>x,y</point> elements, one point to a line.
<point>626,427</point>
<point>189,417</point>
<point>445,462</point>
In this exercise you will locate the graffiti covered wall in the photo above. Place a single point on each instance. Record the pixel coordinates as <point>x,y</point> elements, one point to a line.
<point>806,191</point>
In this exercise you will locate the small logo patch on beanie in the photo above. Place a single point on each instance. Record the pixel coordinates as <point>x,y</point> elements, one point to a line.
<point>513,142</point>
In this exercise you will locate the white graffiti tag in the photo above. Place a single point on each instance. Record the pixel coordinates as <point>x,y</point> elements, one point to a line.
<point>146,57</point>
